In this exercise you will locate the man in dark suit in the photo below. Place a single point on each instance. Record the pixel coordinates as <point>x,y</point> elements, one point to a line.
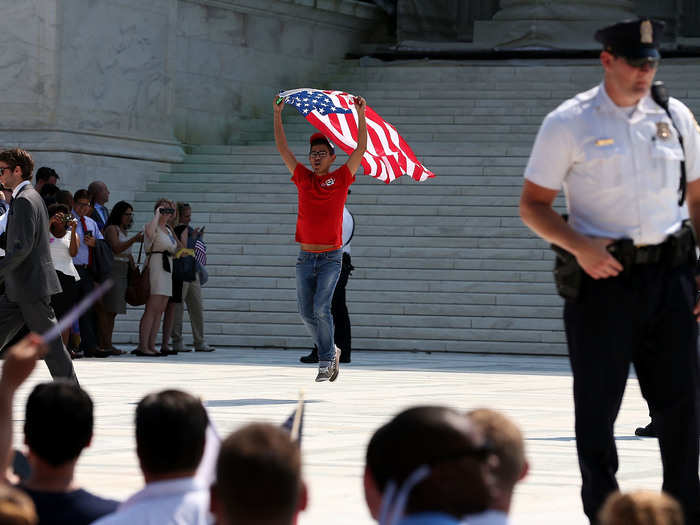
<point>27,268</point>
<point>99,196</point>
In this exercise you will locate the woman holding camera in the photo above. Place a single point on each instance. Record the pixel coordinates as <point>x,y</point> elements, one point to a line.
<point>161,244</point>
<point>64,243</point>
<point>114,301</point>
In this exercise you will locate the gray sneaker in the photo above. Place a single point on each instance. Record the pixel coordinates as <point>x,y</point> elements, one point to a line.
<point>336,365</point>
<point>329,372</point>
<point>324,373</point>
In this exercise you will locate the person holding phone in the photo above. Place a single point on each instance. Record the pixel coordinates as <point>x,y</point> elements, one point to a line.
<point>88,233</point>
<point>191,290</point>
<point>161,244</point>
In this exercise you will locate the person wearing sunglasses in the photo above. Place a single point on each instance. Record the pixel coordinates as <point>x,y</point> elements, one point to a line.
<point>161,244</point>
<point>321,194</point>
<point>628,160</point>
<point>27,268</point>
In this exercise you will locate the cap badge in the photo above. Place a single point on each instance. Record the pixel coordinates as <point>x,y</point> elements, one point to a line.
<point>663,131</point>
<point>647,32</point>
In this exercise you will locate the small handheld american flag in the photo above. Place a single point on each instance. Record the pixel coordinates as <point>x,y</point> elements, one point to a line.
<point>200,252</point>
<point>333,113</point>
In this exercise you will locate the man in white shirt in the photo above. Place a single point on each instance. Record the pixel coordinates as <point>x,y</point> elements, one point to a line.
<point>88,232</point>
<point>626,258</point>
<point>170,437</point>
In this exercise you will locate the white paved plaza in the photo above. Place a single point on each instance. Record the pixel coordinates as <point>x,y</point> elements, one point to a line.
<point>242,385</point>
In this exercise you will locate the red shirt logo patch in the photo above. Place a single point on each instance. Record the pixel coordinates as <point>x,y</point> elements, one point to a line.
<point>328,182</point>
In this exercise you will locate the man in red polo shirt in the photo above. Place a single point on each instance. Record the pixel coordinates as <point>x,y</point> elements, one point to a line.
<point>321,195</point>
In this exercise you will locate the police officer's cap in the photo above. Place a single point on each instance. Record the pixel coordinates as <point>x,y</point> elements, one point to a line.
<point>635,40</point>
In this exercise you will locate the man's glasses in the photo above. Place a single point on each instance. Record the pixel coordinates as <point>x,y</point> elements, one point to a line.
<point>2,169</point>
<point>318,154</point>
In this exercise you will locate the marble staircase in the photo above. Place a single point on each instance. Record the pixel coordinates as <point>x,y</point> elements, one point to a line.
<point>444,265</point>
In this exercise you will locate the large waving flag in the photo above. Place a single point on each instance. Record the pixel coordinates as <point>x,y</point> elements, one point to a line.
<point>333,114</point>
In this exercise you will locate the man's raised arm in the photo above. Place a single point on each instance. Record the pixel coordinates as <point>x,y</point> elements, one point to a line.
<point>20,360</point>
<point>280,138</point>
<point>355,159</point>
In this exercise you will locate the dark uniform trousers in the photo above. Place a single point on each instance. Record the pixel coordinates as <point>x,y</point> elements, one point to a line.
<point>87,321</point>
<point>642,317</point>
<point>339,310</point>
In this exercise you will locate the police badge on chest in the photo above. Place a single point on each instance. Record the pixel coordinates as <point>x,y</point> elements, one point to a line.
<point>663,130</point>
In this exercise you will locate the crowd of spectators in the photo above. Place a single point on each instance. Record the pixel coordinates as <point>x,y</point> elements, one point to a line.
<point>82,227</point>
<point>428,465</point>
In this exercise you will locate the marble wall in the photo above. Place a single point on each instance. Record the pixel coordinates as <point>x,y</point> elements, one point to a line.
<point>234,55</point>
<point>111,89</point>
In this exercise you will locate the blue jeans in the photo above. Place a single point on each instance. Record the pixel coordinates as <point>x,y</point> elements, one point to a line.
<point>317,275</point>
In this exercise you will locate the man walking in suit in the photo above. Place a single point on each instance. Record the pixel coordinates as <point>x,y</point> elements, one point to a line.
<point>30,278</point>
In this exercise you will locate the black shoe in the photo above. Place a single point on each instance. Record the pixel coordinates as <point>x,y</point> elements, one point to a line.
<point>96,352</point>
<point>311,358</point>
<point>648,431</point>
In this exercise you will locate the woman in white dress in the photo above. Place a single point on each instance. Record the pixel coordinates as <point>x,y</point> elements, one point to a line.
<point>161,244</point>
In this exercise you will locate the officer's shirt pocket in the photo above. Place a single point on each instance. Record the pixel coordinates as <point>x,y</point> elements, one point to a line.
<point>602,165</point>
<point>666,157</point>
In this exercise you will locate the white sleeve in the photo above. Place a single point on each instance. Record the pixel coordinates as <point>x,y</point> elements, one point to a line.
<point>552,154</point>
<point>685,120</point>
<point>348,226</point>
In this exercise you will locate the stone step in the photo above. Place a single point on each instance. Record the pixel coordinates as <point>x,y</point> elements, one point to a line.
<point>444,265</point>
<point>374,343</point>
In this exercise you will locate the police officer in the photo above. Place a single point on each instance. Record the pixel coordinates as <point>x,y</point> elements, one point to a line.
<point>618,155</point>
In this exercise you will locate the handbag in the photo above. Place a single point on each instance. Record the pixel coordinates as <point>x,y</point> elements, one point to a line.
<point>138,286</point>
<point>184,266</point>
<point>102,261</point>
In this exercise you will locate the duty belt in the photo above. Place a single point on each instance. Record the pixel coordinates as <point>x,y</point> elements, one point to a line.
<point>678,248</point>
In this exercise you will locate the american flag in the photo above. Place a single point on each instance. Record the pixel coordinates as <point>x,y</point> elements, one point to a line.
<point>200,252</point>
<point>333,114</point>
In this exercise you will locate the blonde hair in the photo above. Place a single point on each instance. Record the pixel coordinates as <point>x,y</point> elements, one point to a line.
<point>16,508</point>
<point>506,442</point>
<point>641,507</point>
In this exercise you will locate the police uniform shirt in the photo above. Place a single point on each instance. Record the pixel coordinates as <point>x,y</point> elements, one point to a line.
<point>348,229</point>
<point>620,171</point>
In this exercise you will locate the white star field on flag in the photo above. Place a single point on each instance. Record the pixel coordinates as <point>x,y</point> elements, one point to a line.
<point>306,102</point>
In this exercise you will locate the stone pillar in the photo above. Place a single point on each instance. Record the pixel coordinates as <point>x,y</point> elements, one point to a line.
<point>87,88</point>
<point>555,24</point>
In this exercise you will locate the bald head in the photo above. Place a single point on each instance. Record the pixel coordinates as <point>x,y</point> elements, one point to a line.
<point>98,192</point>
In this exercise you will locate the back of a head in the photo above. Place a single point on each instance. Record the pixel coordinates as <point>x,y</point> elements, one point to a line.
<point>170,432</point>
<point>16,508</point>
<point>45,173</point>
<point>506,441</point>
<point>58,421</point>
<point>65,197</point>
<point>445,441</point>
<point>259,476</point>
<point>641,507</point>
<point>49,190</point>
